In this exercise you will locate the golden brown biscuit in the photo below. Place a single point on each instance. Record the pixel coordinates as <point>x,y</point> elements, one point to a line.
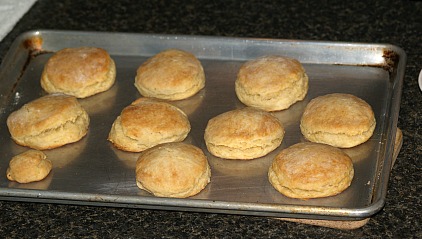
<point>311,170</point>
<point>80,72</point>
<point>146,123</point>
<point>340,120</point>
<point>49,122</point>
<point>29,166</point>
<point>173,170</point>
<point>246,133</point>
<point>271,83</point>
<point>172,75</point>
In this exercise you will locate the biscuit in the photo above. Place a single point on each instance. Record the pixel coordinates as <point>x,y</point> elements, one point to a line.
<point>271,83</point>
<point>80,72</point>
<point>173,170</point>
<point>340,120</point>
<point>48,122</point>
<point>146,123</point>
<point>29,166</point>
<point>246,133</point>
<point>311,170</point>
<point>172,75</point>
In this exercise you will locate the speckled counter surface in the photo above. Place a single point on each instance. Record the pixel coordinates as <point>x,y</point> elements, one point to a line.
<point>394,22</point>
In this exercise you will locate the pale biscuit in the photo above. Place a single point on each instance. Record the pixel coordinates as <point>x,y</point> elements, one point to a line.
<point>271,83</point>
<point>171,74</point>
<point>340,120</point>
<point>173,170</point>
<point>80,72</point>
<point>49,122</point>
<point>246,133</point>
<point>146,123</point>
<point>311,170</point>
<point>29,166</point>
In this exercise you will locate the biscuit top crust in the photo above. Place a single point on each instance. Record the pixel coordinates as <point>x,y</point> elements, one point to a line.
<point>47,112</point>
<point>73,68</point>
<point>269,74</point>
<point>308,164</point>
<point>243,125</point>
<point>147,115</point>
<point>338,113</point>
<point>170,71</point>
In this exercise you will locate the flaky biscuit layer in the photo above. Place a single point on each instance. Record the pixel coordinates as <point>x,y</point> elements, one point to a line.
<point>146,123</point>
<point>81,72</point>
<point>171,74</point>
<point>271,83</point>
<point>340,120</point>
<point>48,122</point>
<point>311,170</point>
<point>173,170</point>
<point>243,134</point>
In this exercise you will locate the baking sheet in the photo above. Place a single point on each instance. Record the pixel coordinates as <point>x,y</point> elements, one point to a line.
<point>93,172</point>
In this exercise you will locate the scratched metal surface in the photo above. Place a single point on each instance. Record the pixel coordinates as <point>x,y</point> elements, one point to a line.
<point>93,172</point>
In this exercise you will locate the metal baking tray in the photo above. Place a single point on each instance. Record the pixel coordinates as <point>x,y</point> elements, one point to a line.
<point>93,172</point>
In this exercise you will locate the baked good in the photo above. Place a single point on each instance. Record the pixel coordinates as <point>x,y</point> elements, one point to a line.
<point>80,72</point>
<point>173,170</point>
<point>171,74</point>
<point>246,133</point>
<point>48,122</point>
<point>340,120</point>
<point>29,166</point>
<point>271,83</point>
<point>311,170</point>
<point>146,123</point>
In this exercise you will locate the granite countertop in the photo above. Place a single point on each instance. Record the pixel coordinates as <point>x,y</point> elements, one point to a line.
<point>394,22</point>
